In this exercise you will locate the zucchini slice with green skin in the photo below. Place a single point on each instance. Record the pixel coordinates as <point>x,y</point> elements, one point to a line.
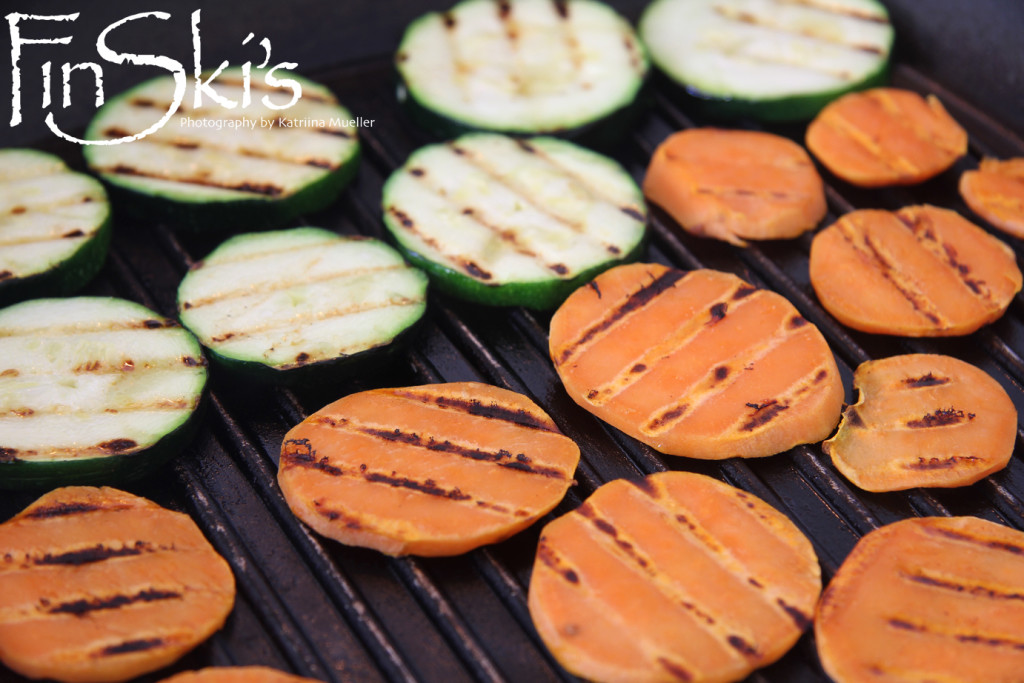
<point>521,67</point>
<point>93,390</point>
<point>215,167</point>
<point>300,305</point>
<point>766,60</point>
<point>54,226</point>
<point>513,222</point>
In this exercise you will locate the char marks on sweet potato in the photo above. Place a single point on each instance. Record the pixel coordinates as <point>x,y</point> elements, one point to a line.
<point>886,136</point>
<point>100,585</point>
<point>431,470</point>
<point>677,577</point>
<point>923,420</point>
<point>996,193</point>
<point>699,364</point>
<point>736,185</point>
<point>927,599</point>
<point>918,272</point>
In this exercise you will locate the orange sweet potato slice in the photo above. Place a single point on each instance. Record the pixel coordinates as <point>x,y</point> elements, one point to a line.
<point>700,364</point>
<point>923,420</point>
<point>736,185</point>
<point>927,599</point>
<point>99,585</point>
<point>236,674</point>
<point>996,193</point>
<point>886,136</point>
<point>677,577</point>
<point>919,272</point>
<point>438,469</point>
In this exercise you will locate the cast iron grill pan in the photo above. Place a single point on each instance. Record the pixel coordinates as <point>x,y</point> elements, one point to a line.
<point>316,608</point>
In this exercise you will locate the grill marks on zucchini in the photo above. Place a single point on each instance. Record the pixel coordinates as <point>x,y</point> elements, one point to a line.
<point>616,565</point>
<point>79,598</point>
<point>426,470</point>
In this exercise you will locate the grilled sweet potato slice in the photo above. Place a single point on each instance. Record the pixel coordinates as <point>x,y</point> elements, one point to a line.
<point>996,193</point>
<point>886,136</point>
<point>927,599</point>
<point>923,420</point>
<point>438,469</point>
<point>99,585</point>
<point>236,674</point>
<point>921,271</point>
<point>677,577</point>
<point>700,364</point>
<point>736,185</point>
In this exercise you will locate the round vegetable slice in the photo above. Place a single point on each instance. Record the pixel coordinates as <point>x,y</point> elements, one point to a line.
<point>236,674</point>
<point>93,390</point>
<point>700,364</point>
<point>54,226</point>
<point>286,305</point>
<point>923,420</point>
<point>437,469</point>
<point>996,193</point>
<point>506,221</point>
<point>766,60</point>
<point>886,136</point>
<point>677,577</point>
<point>736,185</point>
<point>926,599</point>
<point>571,67</point>
<point>214,167</point>
<point>99,585</point>
<point>921,271</point>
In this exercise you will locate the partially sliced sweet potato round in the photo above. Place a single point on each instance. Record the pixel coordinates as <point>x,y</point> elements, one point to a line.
<point>700,364</point>
<point>736,185</point>
<point>927,599</point>
<point>886,136</point>
<point>236,674</point>
<point>996,193</point>
<point>677,577</point>
<point>923,420</point>
<point>921,271</point>
<point>437,469</point>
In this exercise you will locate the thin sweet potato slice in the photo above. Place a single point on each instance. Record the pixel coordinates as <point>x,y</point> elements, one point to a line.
<point>927,599</point>
<point>236,674</point>
<point>736,185</point>
<point>677,577</point>
<point>437,469</point>
<point>886,136</point>
<point>99,585</point>
<point>700,364</point>
<point>996,193</point>
<point>921,271</point>
<point>923,420</point>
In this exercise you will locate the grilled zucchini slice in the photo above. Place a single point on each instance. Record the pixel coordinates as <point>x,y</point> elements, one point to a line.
<point>288,305</point>
<point>215,167</point>
<point>507,221</point>
<point>54,226</point>
<point>93,390</point>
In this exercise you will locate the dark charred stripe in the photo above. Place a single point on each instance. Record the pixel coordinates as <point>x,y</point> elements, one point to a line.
<point>796,322</point>
<point>8,454</point>
<point>974,590</point>
<point>80,607</point>
<point>799,618</point>
<point>929,380</point>
<point>130,646</point>
<point>922,227</point>
<point>743,293</point>
<point>853,418</point>
<point>674,669</point>
<point>905,625</point>
<point>718,311</point>
<point>300,453</point>
<point>742,646</point>
<point>648,487</point>
<point>721,372</point>
<point>667,417</point>
<point>448,19</point>
<point>763,414</point>
<point>117,445</point>
<point>427,486</point>
<point>562,8</point>
<point>594,286</point>
<point>349,521</point>
<point>632,213</point>
<point>974,540</point>
<point>97,553</point>
<point>550,472</point>
<point>551,560</point>
<point>634,302</point>
<point>266,189</point>
<point>491,411</point>
<point>969,638</point>
<point>925,464</point>
<point>940,418</point>
<point>73,508</point>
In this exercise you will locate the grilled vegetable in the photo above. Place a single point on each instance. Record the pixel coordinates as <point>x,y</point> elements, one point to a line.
<point>503,221</point>
<point>886,136</point>
<point>236,674</point>
<point>921,271</point>
<point>431,470</point>
<point>93,390</point>
<point>677,577</point>
<point>751,58</point>
<point>99,585</point>
<point>996,193</point>
<point>214,168</point>
<point>571,67</point>
<point>923,420</point>
<point>699,364</point>
<point>54,226</point>
<point>288,305</point>
<point>736,185</point>
<point>926,599</point>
